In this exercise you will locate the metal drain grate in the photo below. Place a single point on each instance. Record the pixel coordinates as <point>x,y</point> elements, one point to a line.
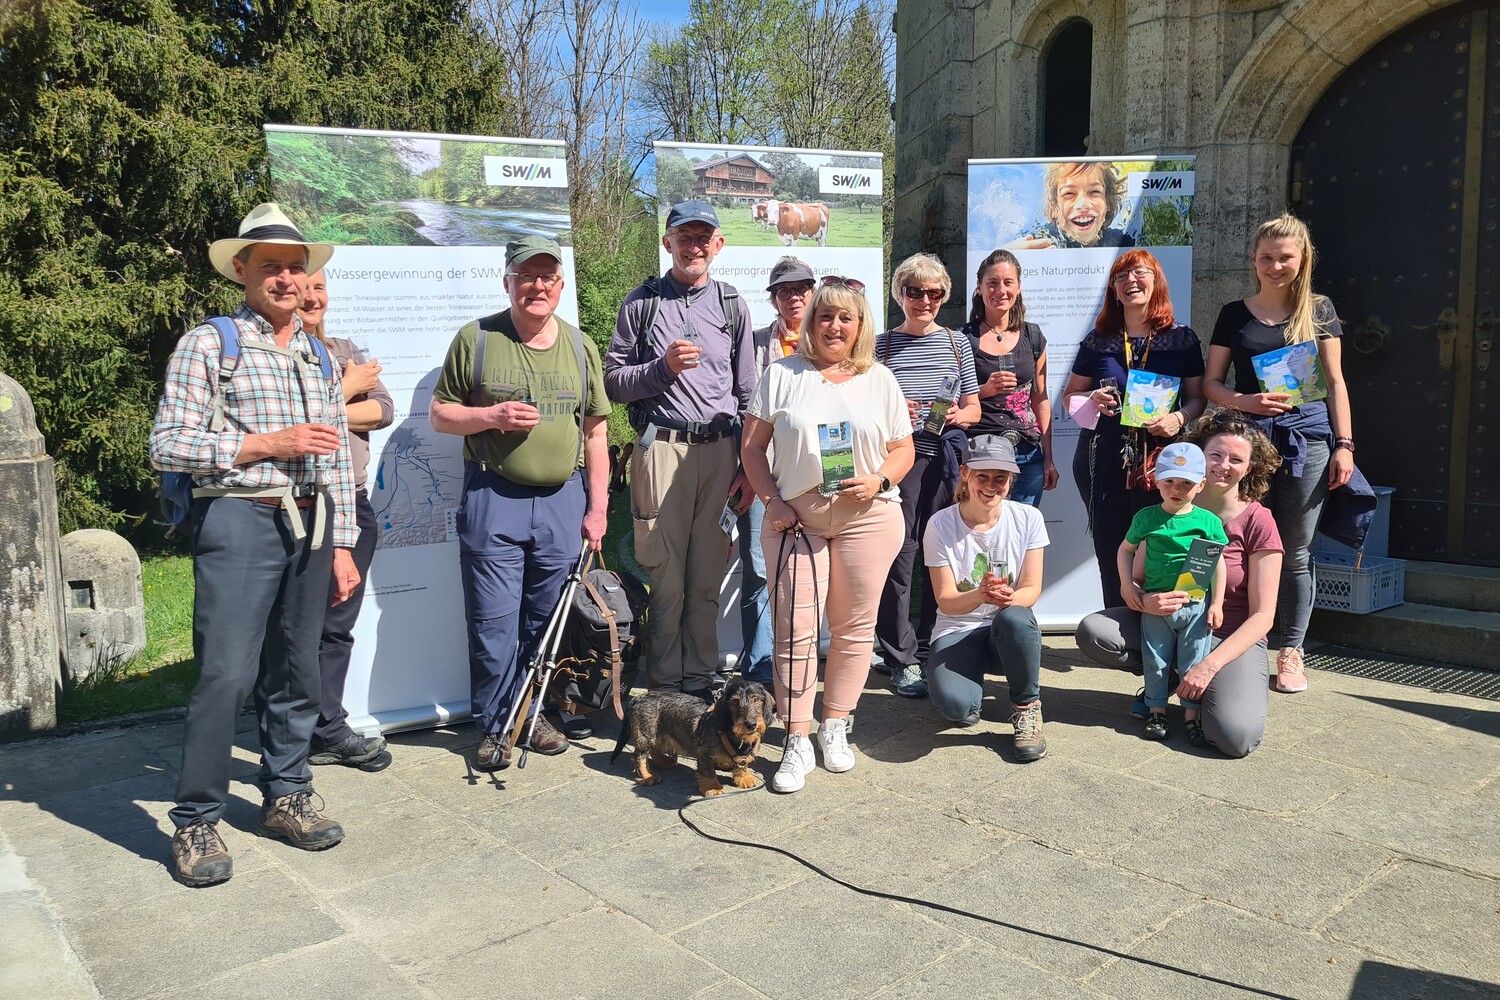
<point>1469,681</point>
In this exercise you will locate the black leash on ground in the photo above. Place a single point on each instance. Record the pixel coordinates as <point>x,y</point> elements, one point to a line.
<point>955,911</point>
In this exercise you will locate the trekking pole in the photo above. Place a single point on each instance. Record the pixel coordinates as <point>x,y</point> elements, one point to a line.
<point>547,651</point>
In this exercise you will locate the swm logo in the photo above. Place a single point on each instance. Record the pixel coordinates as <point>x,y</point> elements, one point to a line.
<point>1177,182</point>
<point>849,180</point>
<point>525,171</point>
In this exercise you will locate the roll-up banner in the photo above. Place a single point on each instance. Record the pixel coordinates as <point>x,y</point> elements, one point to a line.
<point>420,222</point>
<point>820,205</point>
<point>1066,221</point>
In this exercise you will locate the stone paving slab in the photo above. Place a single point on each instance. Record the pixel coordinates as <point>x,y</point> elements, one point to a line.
<point>1356,855</point>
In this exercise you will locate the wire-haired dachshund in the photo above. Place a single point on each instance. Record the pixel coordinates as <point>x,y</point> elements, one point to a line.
<point>723,737</point>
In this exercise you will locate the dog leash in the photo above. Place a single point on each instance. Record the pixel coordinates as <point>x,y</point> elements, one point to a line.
<point>944,908</point>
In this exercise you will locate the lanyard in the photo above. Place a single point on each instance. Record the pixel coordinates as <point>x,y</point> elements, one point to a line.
<point>1146,353</point>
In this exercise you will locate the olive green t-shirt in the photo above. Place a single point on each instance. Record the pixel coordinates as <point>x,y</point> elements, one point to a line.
<point>548,378</point>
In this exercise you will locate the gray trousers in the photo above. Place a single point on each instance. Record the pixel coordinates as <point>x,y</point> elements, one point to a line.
<point>1233,707</point>
<point>1296,504</point>
<point>257,615</point>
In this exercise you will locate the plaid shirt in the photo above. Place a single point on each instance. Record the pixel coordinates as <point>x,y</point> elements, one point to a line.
<point>264,395</point>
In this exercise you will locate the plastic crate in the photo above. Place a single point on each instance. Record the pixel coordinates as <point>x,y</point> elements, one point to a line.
<point>1377,583</point>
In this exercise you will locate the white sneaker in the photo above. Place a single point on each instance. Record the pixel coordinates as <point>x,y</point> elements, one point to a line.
<point>797,761</point>
<point>833,738</point>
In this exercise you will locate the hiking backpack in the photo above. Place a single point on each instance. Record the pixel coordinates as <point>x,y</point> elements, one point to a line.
<point>603,641</point>
<point>650,303</point>
<point>177,487</point>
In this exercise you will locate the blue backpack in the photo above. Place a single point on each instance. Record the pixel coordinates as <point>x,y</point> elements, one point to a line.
<point>177,487</point>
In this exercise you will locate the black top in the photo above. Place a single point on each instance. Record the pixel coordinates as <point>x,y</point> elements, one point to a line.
<point>1247,337</point>
<point>1011,411</point>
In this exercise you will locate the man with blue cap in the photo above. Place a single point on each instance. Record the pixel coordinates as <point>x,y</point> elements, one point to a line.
<point>683,359</point>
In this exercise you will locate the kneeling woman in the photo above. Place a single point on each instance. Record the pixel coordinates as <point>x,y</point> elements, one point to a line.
<point>984,555</point>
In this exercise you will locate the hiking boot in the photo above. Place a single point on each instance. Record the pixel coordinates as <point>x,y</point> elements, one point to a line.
<point>1138,709</point>
<point>909,682</point>
<point>199,856</point>
<point>353,750</point>
<point>1195,734</point>
<point>1155,727</point>
<point>1030,744</point>
<point>296,820</point>
<point>1289,676</point>
<point>545,739</point>
<point>797,762</point>
<point>833,737</point>
<point>493,753</point>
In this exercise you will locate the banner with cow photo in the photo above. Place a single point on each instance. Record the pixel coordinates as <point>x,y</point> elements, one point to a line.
<point>820,205</point>
<point>1066,221</point>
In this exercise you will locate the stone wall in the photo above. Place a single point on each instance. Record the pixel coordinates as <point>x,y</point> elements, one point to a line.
<point>1229,81</point>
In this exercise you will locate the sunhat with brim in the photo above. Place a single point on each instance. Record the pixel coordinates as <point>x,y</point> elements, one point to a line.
<point>266,223</point>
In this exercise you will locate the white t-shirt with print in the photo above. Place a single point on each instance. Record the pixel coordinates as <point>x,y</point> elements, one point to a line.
<point>952,543</point>
<point>794,398</point>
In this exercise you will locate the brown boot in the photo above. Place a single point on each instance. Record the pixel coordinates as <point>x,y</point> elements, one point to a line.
<point>546,739</point>
<point>296,820</point>
<point>200,856</point>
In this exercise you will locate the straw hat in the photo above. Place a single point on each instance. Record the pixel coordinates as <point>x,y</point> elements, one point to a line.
<point>266,223</point>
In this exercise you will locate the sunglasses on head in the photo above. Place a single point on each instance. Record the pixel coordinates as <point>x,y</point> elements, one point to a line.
<point>839,279</point>
<point>930,294</point>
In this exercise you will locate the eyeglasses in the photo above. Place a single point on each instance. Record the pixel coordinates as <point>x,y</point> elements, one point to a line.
<point>693,239</point>
<point>930,294</point>
<point>1138,273</point>
<point>546,281</point>
<point>791,291</point>
<point>838,279</point>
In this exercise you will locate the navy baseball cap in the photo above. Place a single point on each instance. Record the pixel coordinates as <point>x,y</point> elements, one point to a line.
<point>692,211</point>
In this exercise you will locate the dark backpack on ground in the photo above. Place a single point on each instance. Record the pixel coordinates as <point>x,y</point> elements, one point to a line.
<point>177,487</point>
<point>603,641</point>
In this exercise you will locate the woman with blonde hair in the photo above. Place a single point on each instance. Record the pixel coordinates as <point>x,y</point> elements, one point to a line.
<point>934,366</point>
<point>842,441</point>
<point>369,407</point>
<point>1315,437</point>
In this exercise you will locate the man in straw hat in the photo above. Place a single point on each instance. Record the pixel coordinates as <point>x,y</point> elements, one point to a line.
<point>269,454</point>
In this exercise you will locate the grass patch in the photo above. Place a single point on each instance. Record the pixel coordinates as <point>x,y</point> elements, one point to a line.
<point>164,673</point>
<point>848,226</point>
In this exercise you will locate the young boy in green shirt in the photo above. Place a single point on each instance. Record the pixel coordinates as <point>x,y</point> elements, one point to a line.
<point>1151,558</point>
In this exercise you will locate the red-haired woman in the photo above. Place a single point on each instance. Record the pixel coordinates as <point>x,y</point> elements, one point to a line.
<point>1135,331</point>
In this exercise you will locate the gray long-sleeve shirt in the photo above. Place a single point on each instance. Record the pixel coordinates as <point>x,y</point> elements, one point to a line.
<point>711,391</point>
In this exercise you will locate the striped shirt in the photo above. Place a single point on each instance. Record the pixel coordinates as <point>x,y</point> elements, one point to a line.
<point>265,394</point>
<point>921,364</point>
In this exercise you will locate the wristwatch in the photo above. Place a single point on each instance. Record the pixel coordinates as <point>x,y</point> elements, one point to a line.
<point>885,483</point>
<point>1347,443</point>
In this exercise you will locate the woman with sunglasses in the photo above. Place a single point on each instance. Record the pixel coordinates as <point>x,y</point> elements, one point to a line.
<point>1230,682</point>
<point>1315,437</point>
<point>984,558</point>
<point>1135,331</point>
<point>1010,360</point>
<point>828,541</point>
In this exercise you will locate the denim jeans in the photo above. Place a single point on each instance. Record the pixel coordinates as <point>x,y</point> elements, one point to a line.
<point>1028,485</point>
<point>1296,504</point>
<point>959,660</point>
<point>1178,640</point>
<point>755,621</point>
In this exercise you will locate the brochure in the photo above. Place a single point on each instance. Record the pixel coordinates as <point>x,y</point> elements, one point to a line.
<point>1198,566</point>
<point>938,408</point>
<point>836,442</point>
<point>1295,370</point>
<point>1148,396</point>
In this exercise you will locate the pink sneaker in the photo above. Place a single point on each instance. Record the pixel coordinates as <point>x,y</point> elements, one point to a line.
<point>1290,678</point>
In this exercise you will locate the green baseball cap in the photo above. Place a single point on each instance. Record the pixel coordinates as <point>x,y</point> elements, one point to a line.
<point>527,247</point>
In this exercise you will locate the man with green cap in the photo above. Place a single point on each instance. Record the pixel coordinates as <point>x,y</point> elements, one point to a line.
<point>526,391</point>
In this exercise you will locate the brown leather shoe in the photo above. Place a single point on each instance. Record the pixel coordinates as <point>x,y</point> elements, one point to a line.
<point>546,739</point>
<point>199,855</point>
<point>493,752</point>
<point>295,819</point>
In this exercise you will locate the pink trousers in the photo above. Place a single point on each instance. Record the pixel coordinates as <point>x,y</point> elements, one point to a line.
<point>838,564</point>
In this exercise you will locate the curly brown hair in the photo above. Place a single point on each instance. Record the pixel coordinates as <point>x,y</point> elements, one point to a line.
<point>1264,458</point>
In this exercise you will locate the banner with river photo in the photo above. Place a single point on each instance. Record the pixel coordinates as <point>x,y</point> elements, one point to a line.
<point>820,205</point>
<point>420,222</point>
<point>1066,220</point>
